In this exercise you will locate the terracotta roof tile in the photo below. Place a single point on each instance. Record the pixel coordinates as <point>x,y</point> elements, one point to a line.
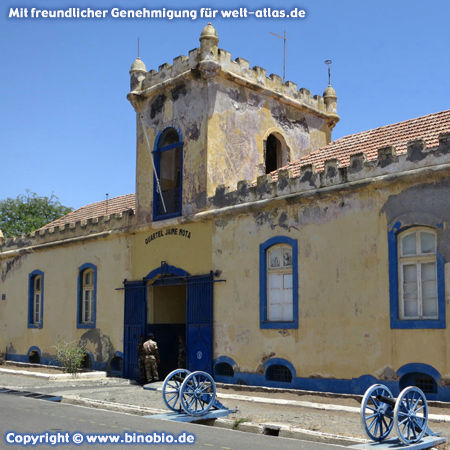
<point>94,210</point>
<point>397,135</point>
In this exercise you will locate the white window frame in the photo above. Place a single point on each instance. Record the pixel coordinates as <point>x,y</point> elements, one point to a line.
<point>286,303</point>
<point>418,259</point>
<point>87,304</point>
<point>37,299</point>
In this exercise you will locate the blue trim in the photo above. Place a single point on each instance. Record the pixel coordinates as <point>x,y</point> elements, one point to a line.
<point>80,324</point>
<point>264,323</point>
<point>396,322</point>
<point>281,362</point>
<point>45,361</point>
<point>118,354</point>
<point>357,386</point>
<point>157,161</point>
<point>225,359</point>
<point>224,378</point>
<point>166,269</point>
<point>31,277</point>
<point>421,368</point>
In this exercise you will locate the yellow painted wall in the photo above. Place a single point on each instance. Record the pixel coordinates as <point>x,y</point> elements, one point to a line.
<point>186,246</point>
<point>344,304</point>
<point>61,267</point>
<point>240,123</point>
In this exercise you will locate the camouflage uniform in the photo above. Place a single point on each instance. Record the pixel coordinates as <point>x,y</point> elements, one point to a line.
<point>151,360</point>
<point>141,358</point>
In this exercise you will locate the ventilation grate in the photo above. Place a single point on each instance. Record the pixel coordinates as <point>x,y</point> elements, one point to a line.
<point>27,394</point>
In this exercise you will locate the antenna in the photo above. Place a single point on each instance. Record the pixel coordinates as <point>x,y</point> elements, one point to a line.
<point>284,52</point>
<point>139,49</point>
<point>328,63</point>
<point>106,213</point>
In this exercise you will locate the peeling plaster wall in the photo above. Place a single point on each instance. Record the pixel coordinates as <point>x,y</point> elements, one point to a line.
<point>344,306</point>
<point>223,127</point>
<point>240,122</point>
<point>182,107</point>
<point>60,266</point>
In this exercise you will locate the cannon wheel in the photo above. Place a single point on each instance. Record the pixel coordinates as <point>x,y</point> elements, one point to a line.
<point>411,415</point>
<point>374,420</point>
<point>171,389</point>
<point>198,393</point>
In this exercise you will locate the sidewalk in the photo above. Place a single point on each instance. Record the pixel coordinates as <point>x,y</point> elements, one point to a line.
<point>304,415</point>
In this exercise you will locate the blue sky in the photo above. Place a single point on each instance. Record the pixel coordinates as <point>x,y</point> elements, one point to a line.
<point>68,129</point>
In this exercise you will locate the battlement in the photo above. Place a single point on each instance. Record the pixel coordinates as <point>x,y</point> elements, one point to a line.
<point>73,231</point>
<point>387,165</point>
<point>212,61</point>
<point>165,72</point>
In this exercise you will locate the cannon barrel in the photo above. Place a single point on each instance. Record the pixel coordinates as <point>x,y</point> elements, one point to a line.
<point>388,400</point>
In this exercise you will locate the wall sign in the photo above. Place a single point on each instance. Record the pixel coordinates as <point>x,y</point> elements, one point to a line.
<point>168,232</point>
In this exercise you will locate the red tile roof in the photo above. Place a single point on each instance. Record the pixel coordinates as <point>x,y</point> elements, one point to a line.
<point>397,135</point>
<point>427,128</point>
<point>94,210</point>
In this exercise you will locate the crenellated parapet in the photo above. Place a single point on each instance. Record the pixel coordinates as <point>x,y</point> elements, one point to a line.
<point>210,61</point>
<point>103,226</point>
<point>387,165</point>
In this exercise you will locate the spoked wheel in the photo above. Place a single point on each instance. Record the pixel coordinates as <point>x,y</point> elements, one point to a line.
<point>376,416</point>
<point>198,393</point>
<point>411,415</point>
<point>171,389</point>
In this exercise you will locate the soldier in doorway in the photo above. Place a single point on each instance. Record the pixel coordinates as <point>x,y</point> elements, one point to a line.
<point>141,358</point>
<point>151,359</point>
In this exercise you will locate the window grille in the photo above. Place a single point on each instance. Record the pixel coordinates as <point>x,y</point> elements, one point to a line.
<point>278,372</point>
<point>224,369</point>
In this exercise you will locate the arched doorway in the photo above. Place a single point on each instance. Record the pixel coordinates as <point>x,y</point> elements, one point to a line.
<point>170,302</point>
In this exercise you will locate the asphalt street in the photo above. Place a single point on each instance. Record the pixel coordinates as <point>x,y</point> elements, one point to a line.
<point>45,420</point>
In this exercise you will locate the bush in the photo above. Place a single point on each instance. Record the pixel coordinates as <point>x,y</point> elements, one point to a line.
<point>70,356</point>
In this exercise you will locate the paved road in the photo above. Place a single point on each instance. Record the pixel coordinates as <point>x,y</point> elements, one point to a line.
<point>20,416</point>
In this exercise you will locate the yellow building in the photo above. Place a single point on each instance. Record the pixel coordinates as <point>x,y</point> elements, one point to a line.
<point>285,258</point>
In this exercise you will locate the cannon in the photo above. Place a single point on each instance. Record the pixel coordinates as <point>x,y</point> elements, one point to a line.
<point>193,393</point>
<point>408,414</point>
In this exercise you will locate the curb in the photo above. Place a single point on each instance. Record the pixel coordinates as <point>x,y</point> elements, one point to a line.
<point>269,429</point>
<point>62,376</point>
<point>111,406</point>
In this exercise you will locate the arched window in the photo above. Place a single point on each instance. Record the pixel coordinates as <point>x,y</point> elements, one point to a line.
<point>278,283</point>
<point>278,372</point>
<point>87,296</point>
<point>87,313</point>
<point>36,299</point>
<point>418,274</point>
<point>276,153</point>
<point>416,277</point>
<point>168,163</point>
<point>224,369</point>
<point>34,357</point>
<point>86,363</point>
<point>426,383</point>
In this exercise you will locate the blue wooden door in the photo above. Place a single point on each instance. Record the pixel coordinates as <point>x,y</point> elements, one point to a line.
<point>135,323</point>
<point>199,330</point>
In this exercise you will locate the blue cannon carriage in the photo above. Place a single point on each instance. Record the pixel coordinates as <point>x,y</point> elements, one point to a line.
<point>408,414</point>
<point>192,394</point>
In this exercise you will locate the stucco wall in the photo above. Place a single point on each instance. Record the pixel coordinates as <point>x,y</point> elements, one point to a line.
<point>344,327</point>
<point>60,266</point>
<point>185,246</point>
